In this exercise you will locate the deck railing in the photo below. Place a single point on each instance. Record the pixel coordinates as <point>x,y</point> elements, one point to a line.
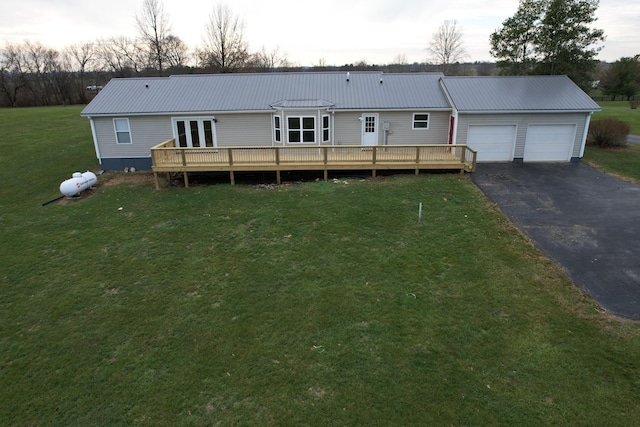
<point>166,157</point>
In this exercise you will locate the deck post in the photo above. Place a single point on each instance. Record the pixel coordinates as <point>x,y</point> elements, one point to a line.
<point>278,180</point>
<point>155,176</point>
<point>186,179</point>
<point>232,177</point>
<point>277,156</point>
<point>417,161</point>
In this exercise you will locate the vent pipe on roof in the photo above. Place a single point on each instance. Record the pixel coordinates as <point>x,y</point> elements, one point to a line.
<point>380,79</point>
<point>348,76</point>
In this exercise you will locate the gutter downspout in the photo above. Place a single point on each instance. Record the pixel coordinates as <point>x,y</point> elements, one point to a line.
<point>95,139</point>
<point>584,135</point>
<point>333,127</point>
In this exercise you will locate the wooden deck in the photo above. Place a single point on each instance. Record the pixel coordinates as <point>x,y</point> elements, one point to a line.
<point>168,158</point>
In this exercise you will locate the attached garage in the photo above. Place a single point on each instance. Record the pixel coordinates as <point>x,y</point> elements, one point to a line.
<point>549,143</point>
<point>494,143</point>
<point>520,118</point>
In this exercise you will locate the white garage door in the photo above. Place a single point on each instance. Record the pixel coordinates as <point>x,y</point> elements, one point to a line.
<point>493,143</point>
<point>549,143</point>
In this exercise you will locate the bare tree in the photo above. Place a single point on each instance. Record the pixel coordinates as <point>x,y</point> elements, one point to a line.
<point>13,77</point>
<point>320,65</point>
<point>154,28</point>
<point>270,61</point>
<point>225,48</point>
<point>35,57</point>
<point>122,55</point>
<point>446,45</point>
<point>80,57</point>
<point>176,51</point>
<point>400,59</point>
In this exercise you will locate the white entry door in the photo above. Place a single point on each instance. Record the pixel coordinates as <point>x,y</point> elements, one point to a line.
<point>369,129</point>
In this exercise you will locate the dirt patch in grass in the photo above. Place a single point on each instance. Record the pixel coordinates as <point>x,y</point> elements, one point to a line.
<point>118,178</point>
<point>110,179</point>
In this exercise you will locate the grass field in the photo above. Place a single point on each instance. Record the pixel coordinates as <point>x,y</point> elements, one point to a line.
<point>306,304</point>
<point>623,162</point>
<point>620,110</point>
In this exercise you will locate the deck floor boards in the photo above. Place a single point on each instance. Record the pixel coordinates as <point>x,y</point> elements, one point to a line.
<point>167,158</point>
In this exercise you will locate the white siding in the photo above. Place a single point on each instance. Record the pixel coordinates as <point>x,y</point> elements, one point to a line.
<point>401,128</point>
<point>244,130</point>
<point>348,128</point>
<point>523,121</point>
<point>145,133</point>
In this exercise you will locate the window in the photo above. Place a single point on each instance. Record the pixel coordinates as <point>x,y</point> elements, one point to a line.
<point>326,135</point>
<point>123,132</point>
<point>195,132</point>
<point>421,120</point>
<point>302,129</point>
<point>277,130</point>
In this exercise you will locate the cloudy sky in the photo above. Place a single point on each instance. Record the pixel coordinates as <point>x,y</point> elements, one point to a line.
<point>337,31</point>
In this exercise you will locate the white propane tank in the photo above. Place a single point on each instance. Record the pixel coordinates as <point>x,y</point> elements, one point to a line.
<point>78,183</point>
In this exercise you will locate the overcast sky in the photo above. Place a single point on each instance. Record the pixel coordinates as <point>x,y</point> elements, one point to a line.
<point>338,31</point>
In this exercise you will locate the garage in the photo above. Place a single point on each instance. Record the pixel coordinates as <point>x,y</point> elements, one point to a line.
<point>549,143</point>
<point>494,143</point>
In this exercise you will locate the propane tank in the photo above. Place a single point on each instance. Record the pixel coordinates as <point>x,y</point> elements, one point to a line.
<point>78,183</point>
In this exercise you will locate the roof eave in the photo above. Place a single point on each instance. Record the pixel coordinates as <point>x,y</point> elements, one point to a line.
<point>351,110</point>
<point>527,111</point>
<point>177,113</point>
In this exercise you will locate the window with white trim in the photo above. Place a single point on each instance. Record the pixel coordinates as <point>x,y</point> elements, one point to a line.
<point>326,133</point>
<point>277,129</point>
<point>194,132</point>
<point>420,120</point>
<point>123,131</point>
<point>301,129</point>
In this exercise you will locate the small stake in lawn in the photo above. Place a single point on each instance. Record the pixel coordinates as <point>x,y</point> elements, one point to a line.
<point>420,213</point>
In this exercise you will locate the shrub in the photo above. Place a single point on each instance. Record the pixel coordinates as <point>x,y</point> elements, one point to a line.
<point>608,133</point>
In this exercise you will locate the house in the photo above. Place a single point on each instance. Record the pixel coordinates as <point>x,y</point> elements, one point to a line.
<point>533,118</point>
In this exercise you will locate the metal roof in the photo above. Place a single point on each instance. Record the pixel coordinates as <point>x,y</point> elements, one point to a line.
<point>264,92</point>
<point>517,94</point>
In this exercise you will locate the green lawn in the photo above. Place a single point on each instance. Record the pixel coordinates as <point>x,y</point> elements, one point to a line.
<point>623,162</point>
<point>307,304</point>
<point>620,110</point>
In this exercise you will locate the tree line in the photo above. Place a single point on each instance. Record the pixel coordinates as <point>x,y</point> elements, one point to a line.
<point>542,37</point>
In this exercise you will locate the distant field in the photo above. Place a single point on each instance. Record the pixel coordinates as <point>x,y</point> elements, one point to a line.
<point>320,303</point>
<point>620,110</point>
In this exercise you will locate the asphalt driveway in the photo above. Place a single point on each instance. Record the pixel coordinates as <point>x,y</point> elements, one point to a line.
<point>584,220</point>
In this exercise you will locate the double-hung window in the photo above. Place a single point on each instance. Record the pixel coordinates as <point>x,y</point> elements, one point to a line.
<point>123,131</point>
<point>326,133</point>
<point>277,129</point>
<point>421,121</point>
<point>301,129</point>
